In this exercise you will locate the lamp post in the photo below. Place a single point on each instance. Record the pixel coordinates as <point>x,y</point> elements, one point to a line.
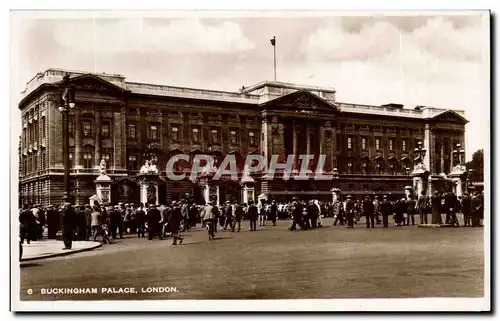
<point>67,103</point>
<point>458,153</point>
<point>419,152</point>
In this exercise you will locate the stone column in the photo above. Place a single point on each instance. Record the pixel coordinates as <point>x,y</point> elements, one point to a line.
<point>450,143</point>
<point>97,155</point>
<point>294,137</point>
<point>308,140</point>
<point>427,145</point>
<point>78,140</point>
<point>117,141</point>
<point>441,155</point>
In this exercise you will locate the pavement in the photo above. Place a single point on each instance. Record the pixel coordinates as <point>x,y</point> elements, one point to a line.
<point>51,248</point>
<point>271,263</point>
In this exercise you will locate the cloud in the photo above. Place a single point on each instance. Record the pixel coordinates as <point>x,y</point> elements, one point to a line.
<point>335,44</point>
<point>179,37</point>
<point>375,39</point>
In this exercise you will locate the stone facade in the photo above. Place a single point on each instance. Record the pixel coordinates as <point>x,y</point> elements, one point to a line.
<point>371,146</point>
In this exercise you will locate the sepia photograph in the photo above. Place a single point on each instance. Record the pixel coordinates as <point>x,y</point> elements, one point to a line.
<point>250,160</point>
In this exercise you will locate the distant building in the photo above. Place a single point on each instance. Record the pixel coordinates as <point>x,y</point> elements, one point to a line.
<point>371,146</point>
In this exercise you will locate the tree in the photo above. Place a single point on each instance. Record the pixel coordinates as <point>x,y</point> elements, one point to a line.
<point>477,166</point>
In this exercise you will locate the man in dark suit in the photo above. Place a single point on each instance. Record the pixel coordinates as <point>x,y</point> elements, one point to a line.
<point>296,215</point>
<point>386,210</point>
<point>466,206</point>
<point>68,219</point>
<point>349,208</point>
<point>252,215</point>
<point>410,212</point>
<point>238,215</point>
<point>451,209</point>
<point>369,212</point>
<point>140,217</point>
<point>174,223</point>
<point>273,212</point>
<point>153,218</point>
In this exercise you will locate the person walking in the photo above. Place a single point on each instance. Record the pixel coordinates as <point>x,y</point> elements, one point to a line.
<point>174,223</point>
<point>68,225</point>
<point>296,215</point>
<point>140,217</point>
<point>153,218</point>
<point>350,212</point>
<point>386,210</point>
<point>451,209</point>
<point>410,211</point>
<point>338,212</point>
<point>238,215</point>
<point>27,223</point>
<point>53,222</point>
<point>252,215</point>
<point>261,208</point>
<point>422,208</point>
<point>273,212</point>
<point>210,220</point>
<point>228,212</point>
<point>368,212</point>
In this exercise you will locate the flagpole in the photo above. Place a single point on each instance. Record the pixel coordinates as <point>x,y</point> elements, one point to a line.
<point>273,42</point>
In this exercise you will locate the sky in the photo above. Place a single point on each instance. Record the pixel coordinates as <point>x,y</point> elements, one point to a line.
<point>432,59</point>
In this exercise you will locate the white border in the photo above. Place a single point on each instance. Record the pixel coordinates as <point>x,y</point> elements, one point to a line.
<point>474,304</point>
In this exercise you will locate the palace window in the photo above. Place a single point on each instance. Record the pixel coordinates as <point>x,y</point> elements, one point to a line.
<point>175,133</point>
<point>364,167</point>
<point>233,137</point>
<point>153,132</point>
<point>363,143</point>
<point>87,128</point>
<point>43,159</point>
<point>106,155</point>
<point>391,144</point>
<point>132,162</point>
<point>43,127</point>
<point>105,129</point>
<point>71,159</point>
<point>377,143</point>
<point>251,138</point>
<point>29,164</point>
<point>349,167</point>
<point>349,142</point>
<point>88,158</point>
<point>214,138</point>
<point>131,133</point>
<point>35,156</point>
<point>392,168</point>
<point>403,145</point>
<point>196,135</point>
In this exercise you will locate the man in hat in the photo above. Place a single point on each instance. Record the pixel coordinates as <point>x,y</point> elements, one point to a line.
<point>209,218</point>
<point>174,223</point>
<point>140,218</point>
<point>350,211</point>
<point>376,208</point>
<point>466,201</point>
<point>228,212</point>
<point>27,223</point>
<point>422,208</point>
<point>386,210</point>
<point>114,221</point>
<point>252,215</point>
<point>53,222</point>
<point>238,215</point>
<point>297,218</point>
<point>68,224</point>
<point>410,211</point>
<point>368,212</point>
<point>153,218</point>
<point>273,212</point>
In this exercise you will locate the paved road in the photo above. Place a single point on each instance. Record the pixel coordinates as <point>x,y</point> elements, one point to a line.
<point>273,263</point>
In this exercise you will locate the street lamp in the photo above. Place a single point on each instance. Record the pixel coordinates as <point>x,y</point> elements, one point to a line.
<point>67,103</point>
<point>458,153</point>
<point>419,152</point>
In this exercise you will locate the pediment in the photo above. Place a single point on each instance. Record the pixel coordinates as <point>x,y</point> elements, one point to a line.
<point>94,83</point>
<point>450,116</point>
<point>301,101</point>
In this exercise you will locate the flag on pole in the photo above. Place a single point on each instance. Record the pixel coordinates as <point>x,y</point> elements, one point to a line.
<point>273,41</point>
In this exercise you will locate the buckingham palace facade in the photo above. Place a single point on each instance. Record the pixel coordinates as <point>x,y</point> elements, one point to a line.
<point>370,147</point>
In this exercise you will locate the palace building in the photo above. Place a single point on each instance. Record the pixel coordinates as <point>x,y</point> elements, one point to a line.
<point>370,147</point>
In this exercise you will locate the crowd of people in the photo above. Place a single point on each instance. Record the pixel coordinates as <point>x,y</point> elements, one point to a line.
<point>104,221</point>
